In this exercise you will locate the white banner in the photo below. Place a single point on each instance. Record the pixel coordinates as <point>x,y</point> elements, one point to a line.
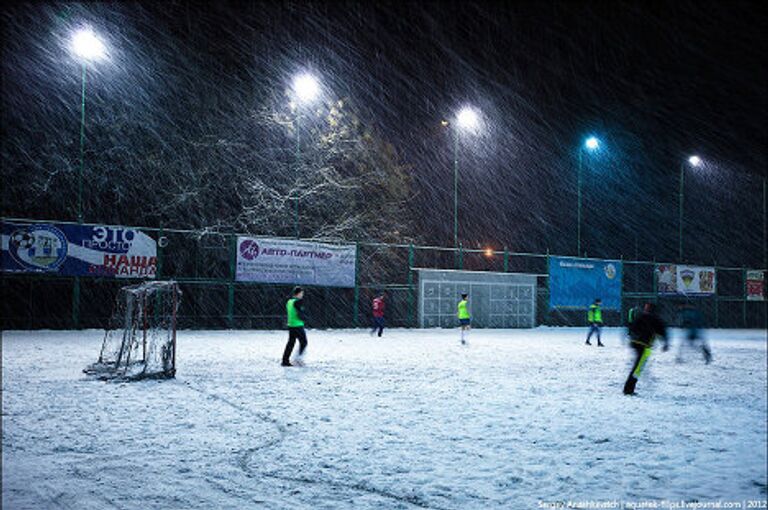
<point>295,262</point>
<point>688,280</point>
<point>695,280</point>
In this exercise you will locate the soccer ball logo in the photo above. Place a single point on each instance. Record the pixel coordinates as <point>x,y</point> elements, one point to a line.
<point>21,239</point>
<point>38,247</point>
<point>610,271</point>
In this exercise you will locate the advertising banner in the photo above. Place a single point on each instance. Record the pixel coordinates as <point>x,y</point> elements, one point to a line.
<point>755,285</point>
<point>295,262</point>
<point>77,250</point>
<point>576,283</point>
<point>672,279</point>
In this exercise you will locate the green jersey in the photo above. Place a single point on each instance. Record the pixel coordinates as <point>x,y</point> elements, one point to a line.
<point>463,312</point>
<point>292,308</point>
<point>595,314</point>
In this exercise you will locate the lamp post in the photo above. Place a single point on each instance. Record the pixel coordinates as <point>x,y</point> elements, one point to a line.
<point>693,161</point>
<point>86,46</point>
<point>467,119</point>
<point>591,144</point>
<point>306,88</point>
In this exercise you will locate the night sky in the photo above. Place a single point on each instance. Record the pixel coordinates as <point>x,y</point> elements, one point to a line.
<point>655,82</point>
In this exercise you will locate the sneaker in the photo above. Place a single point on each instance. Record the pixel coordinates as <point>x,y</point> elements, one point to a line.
<point>587,343</point>
<point>285,364</point>
<point>599,344</point>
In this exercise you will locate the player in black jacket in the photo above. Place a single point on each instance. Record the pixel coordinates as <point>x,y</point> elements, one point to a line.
<point>643,330</point>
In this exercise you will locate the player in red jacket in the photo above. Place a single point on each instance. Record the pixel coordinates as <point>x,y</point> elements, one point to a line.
<point>378,314</point>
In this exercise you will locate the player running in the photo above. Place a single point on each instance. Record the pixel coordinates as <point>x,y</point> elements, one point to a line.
<point>595,319</point>
<point>378,314</point>
<point>295,323</point>
<point>692,321</point>
<point>464,319</point>
<point>643,331</point>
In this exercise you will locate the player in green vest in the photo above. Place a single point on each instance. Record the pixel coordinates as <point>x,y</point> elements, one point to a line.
<point>595,320</point>
<point>464,319</point>
<point>295,323</point>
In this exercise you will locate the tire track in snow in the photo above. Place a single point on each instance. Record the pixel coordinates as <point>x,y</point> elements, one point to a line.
<point>247,455</point>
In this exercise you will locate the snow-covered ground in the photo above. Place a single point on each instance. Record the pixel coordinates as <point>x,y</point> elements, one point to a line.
<point>412,420</point>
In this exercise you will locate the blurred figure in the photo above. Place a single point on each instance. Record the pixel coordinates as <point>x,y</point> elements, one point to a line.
<point>464,318</point>
<point>378,314</point>
<point>633,313</point>
<point>643,332</point>
<point>692,321</point>
<point>595,320</point>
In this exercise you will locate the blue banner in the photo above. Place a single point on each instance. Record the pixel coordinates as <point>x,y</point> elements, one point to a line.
<point>576,283</point>
<point>77,250</point>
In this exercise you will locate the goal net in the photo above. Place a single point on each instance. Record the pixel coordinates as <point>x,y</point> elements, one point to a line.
<point>140,340</point>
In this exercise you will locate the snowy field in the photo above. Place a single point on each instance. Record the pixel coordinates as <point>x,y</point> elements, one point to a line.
<point>519,419</point>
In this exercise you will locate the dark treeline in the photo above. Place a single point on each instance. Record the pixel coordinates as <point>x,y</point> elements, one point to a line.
<point>191,121</point>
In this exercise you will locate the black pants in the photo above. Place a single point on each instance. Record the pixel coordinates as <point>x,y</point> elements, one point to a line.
<point>378,323</point>
<point>642,352</point>
<point>293,335</point>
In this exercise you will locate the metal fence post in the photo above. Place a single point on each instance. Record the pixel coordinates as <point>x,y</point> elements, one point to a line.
<point>461,256</point>
<point>357,288</point>
<point>76,303</point>
<point>231,283</point>
<point>159,273</point>
<point>506,259</point>
<point>411,257</point>
<point>744,298</point>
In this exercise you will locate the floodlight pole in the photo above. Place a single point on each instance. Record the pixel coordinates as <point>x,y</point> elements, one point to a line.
<point>456,187</point>
<point>298,166</point>
<point>82,151</point>
<point>76,285</point>
<point>765,227</point>
<point>578,206</point>
<point>680,213</point>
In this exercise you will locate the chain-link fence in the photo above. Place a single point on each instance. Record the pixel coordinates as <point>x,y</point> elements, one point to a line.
<point>204,264</point>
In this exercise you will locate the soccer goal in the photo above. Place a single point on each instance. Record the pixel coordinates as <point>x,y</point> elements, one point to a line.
<point>140,340</point>
<point>496,300</point>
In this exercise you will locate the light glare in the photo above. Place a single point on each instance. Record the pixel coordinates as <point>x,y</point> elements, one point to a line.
<point>468,119</point>
<point>694,160</point>
<point>592,143</point>
<point>306,87</point>
<point>86,45</point>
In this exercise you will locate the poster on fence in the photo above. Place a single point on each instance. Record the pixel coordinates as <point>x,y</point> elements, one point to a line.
<point>755,285</point>
<point>576,282</point>
<point>77,250</point>
<point>674,279</point>
<point>295,262</point>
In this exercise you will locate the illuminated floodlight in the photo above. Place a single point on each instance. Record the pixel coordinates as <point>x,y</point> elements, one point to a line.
<point>489,252</point>
<point>694,160</point>
<point>468,119</point>
<point>592,143</point>
<point>306,87</point>
<point>86,45</point>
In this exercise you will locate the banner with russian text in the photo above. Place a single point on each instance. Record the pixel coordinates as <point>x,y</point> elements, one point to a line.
<point>77,250</point>
<point>576,282</point>
<point>295,262</point>
<point>755,285</point>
